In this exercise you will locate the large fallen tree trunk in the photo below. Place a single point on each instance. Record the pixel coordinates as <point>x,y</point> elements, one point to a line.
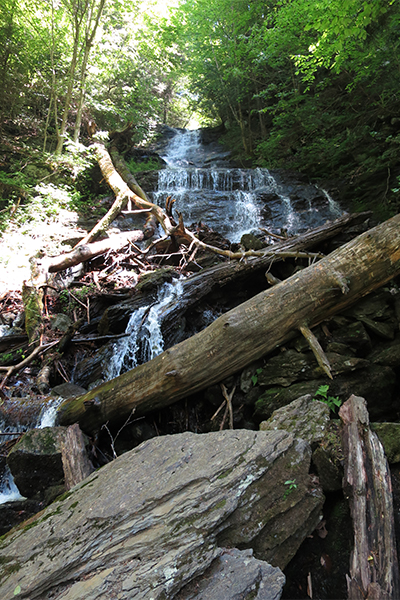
<point>374,570</point>
<point>247,332</point>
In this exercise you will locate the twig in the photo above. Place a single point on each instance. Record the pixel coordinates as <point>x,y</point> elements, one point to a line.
<point>38,350</point>
<point>317,350</point>
<point>113,439</point>
<point>228,398</point>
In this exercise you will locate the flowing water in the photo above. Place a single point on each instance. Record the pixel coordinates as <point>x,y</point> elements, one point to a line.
<point>232,201</point>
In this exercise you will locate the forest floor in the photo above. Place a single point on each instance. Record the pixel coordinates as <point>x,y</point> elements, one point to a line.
<point>20,243</point>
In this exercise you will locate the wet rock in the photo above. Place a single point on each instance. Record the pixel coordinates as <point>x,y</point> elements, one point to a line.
<point>236,574</point>
<point>355,336</point>
<point>383,330</point>
<point>305,418</point>
<point>14,513</point>
<point>93,368</point>
<point>390,357</point>
<point>328,458</point>
<point>68,390</point>
<point>35,461</point>
<point>376,383</point>
<point>389,435</point>
<point>151,521</point>
<point>375,306</point>
<point>154,279</point>
<point>251,242</point>
<point>290,366</point>
<point>330,474</point>
<point>22,413</point>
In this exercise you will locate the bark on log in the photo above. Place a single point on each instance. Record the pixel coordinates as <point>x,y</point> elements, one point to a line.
<point>247,332</point>
<point>374,571</point>
<point>76,464</point>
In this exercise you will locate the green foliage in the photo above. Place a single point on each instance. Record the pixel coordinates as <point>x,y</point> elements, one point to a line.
<point>151,164</point>
<point>292,485</point>
<point>254,378</point>
<point>332,401</point>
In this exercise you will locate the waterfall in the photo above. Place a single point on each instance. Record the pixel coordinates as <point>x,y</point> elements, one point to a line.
<point>144,340</point>
<point>233,201</point>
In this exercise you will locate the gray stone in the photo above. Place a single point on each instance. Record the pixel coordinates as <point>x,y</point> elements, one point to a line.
<point>305,418</point>
<point>68,390</point>
<point>251,242</point>
<point>276,397</point>
<point>35,461</point>
<point>236,575</point>
<point>288,367</point>
<point>150,522</point>
<point>61,322</point>
<point>353,335</point>
<point>389,357</point>
<point>330,474</point>
<point>383,330</point>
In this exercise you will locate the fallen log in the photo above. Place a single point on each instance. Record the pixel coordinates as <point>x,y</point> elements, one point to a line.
<point>84,252</point>
<point>247,332</point>
<point>205,281</point>
<point>374,570</point>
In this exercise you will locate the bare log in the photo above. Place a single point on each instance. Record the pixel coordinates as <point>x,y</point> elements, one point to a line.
<point>76,464</point>
<point>84,252</point>
<point>374,570</point>
<point>247,332</point>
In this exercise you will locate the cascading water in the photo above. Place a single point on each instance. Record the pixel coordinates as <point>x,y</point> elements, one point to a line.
<point>230,200</point>
<point>144,340</point>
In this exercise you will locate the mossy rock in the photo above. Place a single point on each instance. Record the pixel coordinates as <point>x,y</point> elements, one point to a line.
<point>154,279</point>
<point>389,436</point>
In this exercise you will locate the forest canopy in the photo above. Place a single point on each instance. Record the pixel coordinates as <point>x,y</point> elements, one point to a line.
<point>302,84</point>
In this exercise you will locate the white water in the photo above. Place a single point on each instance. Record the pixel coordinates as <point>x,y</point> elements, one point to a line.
<point>145,340</point>
<point>232,201</point>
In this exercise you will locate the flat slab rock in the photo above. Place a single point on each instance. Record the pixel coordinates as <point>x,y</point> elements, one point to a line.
<point>155,519</point>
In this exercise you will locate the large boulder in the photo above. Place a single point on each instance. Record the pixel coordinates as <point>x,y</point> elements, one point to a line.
<point>304,417</point>
<point>35,461</point>
<point>149,523</point>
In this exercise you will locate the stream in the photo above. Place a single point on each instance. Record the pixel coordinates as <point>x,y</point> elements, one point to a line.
<point>230,200</point>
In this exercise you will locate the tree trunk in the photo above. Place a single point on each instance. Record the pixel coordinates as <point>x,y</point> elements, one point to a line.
<point>123,195</point>
<point>374,571</point>
<point>89,38</point>
<point>247,332</point>
<point>76,464</point>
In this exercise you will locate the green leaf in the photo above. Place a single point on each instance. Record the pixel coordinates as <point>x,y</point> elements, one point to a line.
<point>17,590</point>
